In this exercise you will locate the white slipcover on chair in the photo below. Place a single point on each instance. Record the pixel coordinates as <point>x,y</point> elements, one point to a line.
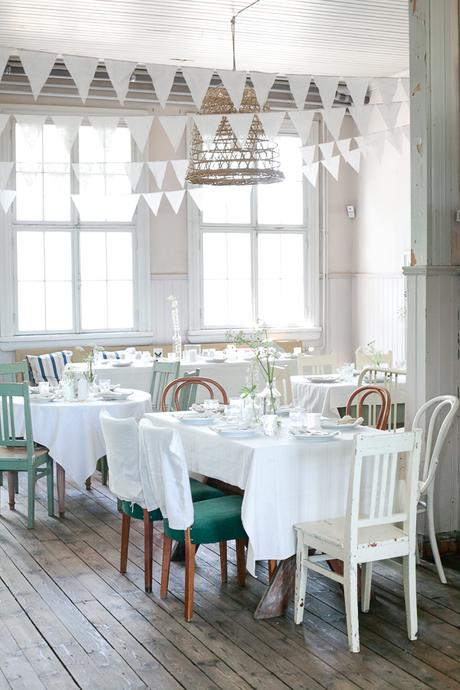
<point>121,438</point>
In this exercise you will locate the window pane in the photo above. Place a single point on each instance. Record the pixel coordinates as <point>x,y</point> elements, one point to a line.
<point>29,196</point>
<point>54,149</point>
<point>281,292</point>
<point>58,306</point>
<point>56,190</point>
<point>94,305</point>
<point>120,304</point>
<point>282,203</point>
<point>58,255</point>
<point>119,253</point>
<point>30,253</point>
<point>31,306</point>
<point>226,204</point>
<point>93,256</point>
<point>90,145</point>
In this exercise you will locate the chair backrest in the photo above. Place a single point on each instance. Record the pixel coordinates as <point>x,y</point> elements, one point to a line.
<point>179,384</point>
<point>436,430</point>
<point>8,434</point>
<point>162,374</point>
<point>121,438</point>
<point>187,396</point>
<point>283,384</point>
<point>316,364</point>
<point>48,367</point>
<point>363,360</point>
<point>389,379</point>
<point>14,372</point>
<point>377,408</point>
<point>165,474</point>
<point>374,494</point>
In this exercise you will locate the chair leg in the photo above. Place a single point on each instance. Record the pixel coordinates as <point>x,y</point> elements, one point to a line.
<point>366,584</point>
<point>31,498</point>
<point>1,478</point>
<point>410,595</point>
<point>301,575</point>
<point>433,540</point>
<point>148,551</point>
<point>241,562</point>
<point>223,561</point>
<point>11,499</point>
<point>104,470</point>
<point>60,481</point>
<point>88,484</point>
<point>50,487</point>
<point>189,576</point>
<point>165,565</point>
<point>125,525</point>
<point>16,482</point>
<point>350,587</point>
<point>272,565</point>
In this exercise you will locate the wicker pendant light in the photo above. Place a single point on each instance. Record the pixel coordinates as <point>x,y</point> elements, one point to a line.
<point>225,160</point>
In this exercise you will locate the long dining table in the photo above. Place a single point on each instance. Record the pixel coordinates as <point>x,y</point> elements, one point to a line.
<point>285,481</point>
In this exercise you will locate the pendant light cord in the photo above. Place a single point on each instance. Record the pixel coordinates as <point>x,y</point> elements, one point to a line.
<point>232,24</point>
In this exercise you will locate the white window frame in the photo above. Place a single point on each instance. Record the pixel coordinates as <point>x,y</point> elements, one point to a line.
<point>309,229</point>
<point>141,332</point>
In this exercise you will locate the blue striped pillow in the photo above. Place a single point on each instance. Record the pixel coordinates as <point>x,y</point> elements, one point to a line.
<point>115,354</point>
<point>49,367</point>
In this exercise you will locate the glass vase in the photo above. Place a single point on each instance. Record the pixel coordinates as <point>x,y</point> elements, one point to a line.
<point>177,346</point>
<point>269,398</point>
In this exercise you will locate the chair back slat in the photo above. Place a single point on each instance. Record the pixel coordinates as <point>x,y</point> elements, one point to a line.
<point>162,374</point>
<point>283,383</point>
<point>187,394</point>
<point>316,364</point>
<point>14,372</point>
<point>8,435</point>
<point>177,385</point>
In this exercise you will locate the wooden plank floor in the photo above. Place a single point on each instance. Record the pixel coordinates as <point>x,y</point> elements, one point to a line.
<point>68,619</point>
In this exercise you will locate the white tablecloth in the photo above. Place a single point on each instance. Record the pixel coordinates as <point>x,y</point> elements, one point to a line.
<point>285,480</point>
<point>327,397</point>
<point>231,375</point>
<point>72,431</point>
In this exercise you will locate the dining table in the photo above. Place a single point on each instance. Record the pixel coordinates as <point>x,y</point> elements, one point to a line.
<point>286,479</point>
<point>72,432</point>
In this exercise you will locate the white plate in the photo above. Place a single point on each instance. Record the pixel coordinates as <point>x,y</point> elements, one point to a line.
<point>120,363</point>
<point>324,378</point>
<point>198,421</point>
<point>331,424</point>
<point>42,398</point>
<point>115,395</point>
<point>314,437</point>
<point>237,433</point>
<point>216,360</point>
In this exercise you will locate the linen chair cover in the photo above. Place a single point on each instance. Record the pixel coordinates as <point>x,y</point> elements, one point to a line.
<point>165,475</point>
<point>122,443</point>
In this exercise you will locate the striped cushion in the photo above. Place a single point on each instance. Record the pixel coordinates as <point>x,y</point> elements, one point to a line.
<point>48,367</point>
<point>106,354</point>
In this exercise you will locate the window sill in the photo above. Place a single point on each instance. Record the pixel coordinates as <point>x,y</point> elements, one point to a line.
<point>218,335</point>
<point>19,342</point>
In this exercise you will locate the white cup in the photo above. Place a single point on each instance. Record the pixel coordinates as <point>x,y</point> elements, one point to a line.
<point>313,420</point>
<point>44,388</point>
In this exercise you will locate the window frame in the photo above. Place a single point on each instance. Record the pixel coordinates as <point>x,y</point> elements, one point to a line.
<point>310,229</point>
<point>10,336</point>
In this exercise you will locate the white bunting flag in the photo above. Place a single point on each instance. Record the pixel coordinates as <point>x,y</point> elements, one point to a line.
<point>7,197</point>
<point>4,57</point>
<point>153,199</point>
<point>271,122</point>
<point>5,172</point>
<point>197,80</point>
<point>332,165</point>
<point>197,196</point>
<point>344,146</point>
<point>389,113</point>
<point>362,115</point>
<point>311,172</point>
<point>139,126</point>
<point>327,148</point>
<point>158,170</point>
<point>358,86</point>
<point>308,153</point>
<point>134,172</point>
<point>327,87</point>
<point>234,82</point>
<point>105,127</point>
<point>175,199</point>
<point>302,121</point>
<point>262,83</point>
<point>4,117</point>
<point>207,126</point>
<point>402,92</point>
<point>240,124</point>
<point>376,144</point>
<point>180,169</point>
<point>174,126</point>
<point>333,117</point>
<point>403,116</point>
<point>353,158</point>
<point>120,73</point>
<point>362,145</point>
<point>82,71</point>
<point>37,66</point>
<point>398,139</point>
<point>299,85</point>
<point>387,88</point>
<point>31,127</point>
<point>67,128</point>
<point>162,77</point>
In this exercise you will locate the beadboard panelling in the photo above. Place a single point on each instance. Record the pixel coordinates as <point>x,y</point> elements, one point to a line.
<point>378,307</point>
<point>164,285</point>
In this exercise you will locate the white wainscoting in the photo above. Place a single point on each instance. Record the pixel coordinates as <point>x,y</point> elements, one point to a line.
<point>164,285</point>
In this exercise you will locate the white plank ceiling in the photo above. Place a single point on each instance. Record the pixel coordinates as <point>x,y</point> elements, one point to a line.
<point>339,37</point>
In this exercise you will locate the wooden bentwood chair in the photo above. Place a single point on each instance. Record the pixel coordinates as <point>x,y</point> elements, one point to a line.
<point>377,413</point>
<point>178,385</point>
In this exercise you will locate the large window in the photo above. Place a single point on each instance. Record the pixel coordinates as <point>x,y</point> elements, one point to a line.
<point>74,265</point>
<point>254,259</point>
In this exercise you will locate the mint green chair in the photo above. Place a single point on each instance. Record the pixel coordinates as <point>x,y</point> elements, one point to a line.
<point>19,453</point>
<point>162,374</point>
<point>13,373</point>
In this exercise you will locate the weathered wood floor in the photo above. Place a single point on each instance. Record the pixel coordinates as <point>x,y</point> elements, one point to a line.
<point>68,619</point>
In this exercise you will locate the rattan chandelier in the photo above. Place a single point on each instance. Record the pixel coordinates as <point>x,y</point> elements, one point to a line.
<point>225,160</point>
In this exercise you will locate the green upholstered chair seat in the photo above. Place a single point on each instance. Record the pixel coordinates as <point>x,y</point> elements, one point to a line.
<point>200,492</point>
<point>216,520</point>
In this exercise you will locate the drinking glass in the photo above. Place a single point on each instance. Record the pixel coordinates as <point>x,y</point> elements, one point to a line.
<point>44,387</point>
<point>269,424</point>
<point>211,404</point>
<point>313,420</point>
<point>104,385</point>
<point>296,417</point>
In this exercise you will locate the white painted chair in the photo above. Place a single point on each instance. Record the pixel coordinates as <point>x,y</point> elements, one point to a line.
<point>316,364</point>
<point>429,418</point>
<point>385,378</point>
<point>363,360</point>
<point>380,523</point>
<point>283,384</point>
